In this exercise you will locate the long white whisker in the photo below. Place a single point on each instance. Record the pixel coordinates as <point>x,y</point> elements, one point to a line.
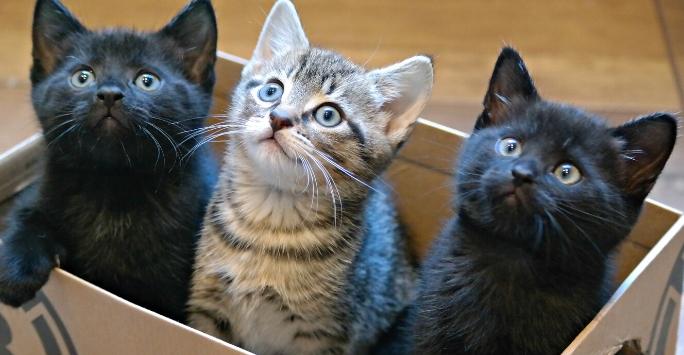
<point>345,171</point>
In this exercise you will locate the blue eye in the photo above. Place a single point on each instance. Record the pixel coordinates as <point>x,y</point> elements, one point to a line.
<point>567,174</point>
<point>148,82</point>
<point>271,92</point>
<point>328,116</point>
<point>509,147</point>
<point>82,78</point>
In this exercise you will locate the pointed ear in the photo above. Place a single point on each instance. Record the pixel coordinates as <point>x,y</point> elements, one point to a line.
<point>282,33</point>
<point>646,145</point>
<point>510,84</point>
<point>53,27</point>
<point>194,31</point>
<point>405,88</point>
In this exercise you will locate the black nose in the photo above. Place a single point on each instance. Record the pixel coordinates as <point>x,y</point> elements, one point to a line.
<point>281,118</point>
<point>110,94</point>
<point>524,172</point>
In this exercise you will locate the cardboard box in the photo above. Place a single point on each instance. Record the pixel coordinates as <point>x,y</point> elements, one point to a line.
<point>71,316</point>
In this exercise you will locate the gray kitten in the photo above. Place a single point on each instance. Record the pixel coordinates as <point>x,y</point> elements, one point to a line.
<point>301,251</point>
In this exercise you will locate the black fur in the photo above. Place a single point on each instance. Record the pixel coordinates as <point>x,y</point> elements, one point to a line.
<point>121,201</point>
<point>523,275</point>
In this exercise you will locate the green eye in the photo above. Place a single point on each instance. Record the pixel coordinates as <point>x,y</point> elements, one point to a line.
<point>328,116</point>
<point>509,147</point>
<point>567,174</point>
<point>82,78</point>
<point>270,92</point>
<point>148,82</point>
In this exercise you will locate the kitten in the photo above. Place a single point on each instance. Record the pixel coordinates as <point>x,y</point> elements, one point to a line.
<point>301,251</point>
<point>116,204</point>
<point>544,195</point>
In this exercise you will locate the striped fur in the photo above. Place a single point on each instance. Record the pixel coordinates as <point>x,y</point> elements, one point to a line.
<point>301,251</point>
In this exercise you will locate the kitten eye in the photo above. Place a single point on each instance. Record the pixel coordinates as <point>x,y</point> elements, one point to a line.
<point>509,147</point>
<point>270,92</point>
<point>82,78</point>
<point>567,173</point>
<point>147,82</point>
<point>328,116</point>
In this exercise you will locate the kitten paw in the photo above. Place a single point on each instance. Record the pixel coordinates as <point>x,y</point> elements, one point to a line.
<point>22,275</point>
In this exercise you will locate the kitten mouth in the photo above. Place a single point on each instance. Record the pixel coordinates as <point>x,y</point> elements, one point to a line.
<point>514,196</point>
<point>108,121</point>
<point>272,144</point>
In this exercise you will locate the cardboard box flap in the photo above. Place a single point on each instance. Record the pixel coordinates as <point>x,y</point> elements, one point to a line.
<point>71,316</point>
<point>645,307</point>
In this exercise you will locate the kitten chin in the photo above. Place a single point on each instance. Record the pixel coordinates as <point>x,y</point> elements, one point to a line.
<point>545,193</point>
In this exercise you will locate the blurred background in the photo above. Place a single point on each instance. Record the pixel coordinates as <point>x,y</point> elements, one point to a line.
<point>617,58</point>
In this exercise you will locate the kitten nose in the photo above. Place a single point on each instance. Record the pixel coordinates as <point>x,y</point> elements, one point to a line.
<point>281,118</point>
<point>110,94</point>
<point>524,172</point>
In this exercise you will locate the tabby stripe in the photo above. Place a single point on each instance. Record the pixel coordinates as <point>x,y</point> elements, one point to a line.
<point>236,209</point>
<point>356,130</point>
<point>252,84</point>
<point>317,253</point>
<point>336,350</point>
<point>318,335</point>
<point>293,317</point>
<point>222,324</point>
<point>302,64</point>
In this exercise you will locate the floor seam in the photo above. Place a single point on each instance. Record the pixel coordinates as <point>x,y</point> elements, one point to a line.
<point>667,37</point>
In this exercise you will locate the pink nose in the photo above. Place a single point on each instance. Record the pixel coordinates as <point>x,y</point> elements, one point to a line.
<point>281,119</point>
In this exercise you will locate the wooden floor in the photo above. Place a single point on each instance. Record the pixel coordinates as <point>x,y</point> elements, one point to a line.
<point>615,57</point>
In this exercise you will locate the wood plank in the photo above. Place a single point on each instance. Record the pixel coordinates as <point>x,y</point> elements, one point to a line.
<point>594,53</point>
<point>670,189</point>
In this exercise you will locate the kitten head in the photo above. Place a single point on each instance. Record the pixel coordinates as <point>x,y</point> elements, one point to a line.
<point>119,98</point>
<point>548,174</point>
<point>300,109</point>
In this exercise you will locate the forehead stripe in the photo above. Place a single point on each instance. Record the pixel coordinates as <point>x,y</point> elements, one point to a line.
<point>356,130</point>
<point>252,83</point>
<point>302,64</point>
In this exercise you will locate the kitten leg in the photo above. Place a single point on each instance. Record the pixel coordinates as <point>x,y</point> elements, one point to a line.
<point>210,323</point>
<point>205,306</point>
<point>27,255</point>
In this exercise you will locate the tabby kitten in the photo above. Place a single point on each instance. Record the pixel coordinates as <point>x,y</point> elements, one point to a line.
<point>301,251</point>
<point>116,204</point>
<point>544,195</point>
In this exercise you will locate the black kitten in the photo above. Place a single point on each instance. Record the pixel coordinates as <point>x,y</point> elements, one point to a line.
<point>121,200</point>
<point>545,193</point>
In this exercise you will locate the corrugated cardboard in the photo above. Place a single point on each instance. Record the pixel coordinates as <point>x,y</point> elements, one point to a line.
<point>70,316</point>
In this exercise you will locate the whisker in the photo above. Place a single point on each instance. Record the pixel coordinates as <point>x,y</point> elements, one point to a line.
<point>345,171</point>
<point>159,149</point>
<point>126,154</point>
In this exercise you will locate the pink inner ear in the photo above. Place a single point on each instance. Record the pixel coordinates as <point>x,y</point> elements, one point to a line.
<point>401,123</point>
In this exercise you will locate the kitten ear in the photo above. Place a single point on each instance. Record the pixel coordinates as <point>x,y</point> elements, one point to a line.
<point>53,26</point>
<point>405,88</point>
<point>646,145</point>
<point>282,33</point>
<point>194,31</point>
<point>510,83</point>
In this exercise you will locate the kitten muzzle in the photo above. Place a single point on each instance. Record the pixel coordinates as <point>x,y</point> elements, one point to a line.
<point>516,195</point>
<point>109,119</point>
